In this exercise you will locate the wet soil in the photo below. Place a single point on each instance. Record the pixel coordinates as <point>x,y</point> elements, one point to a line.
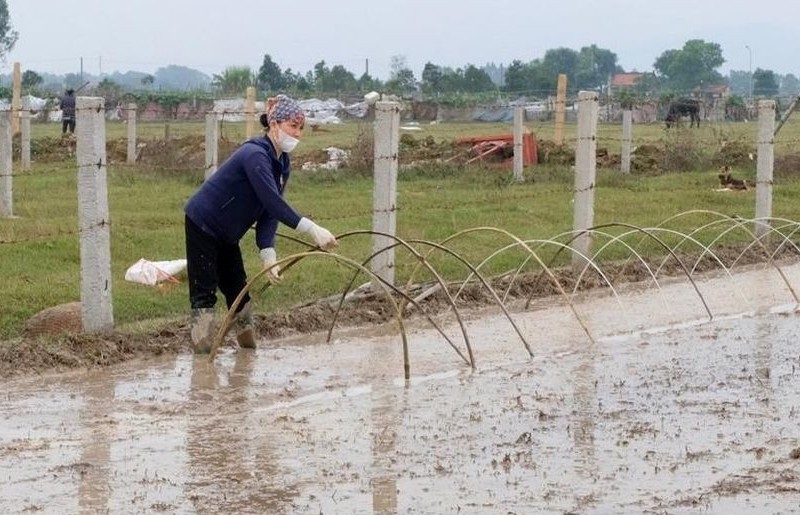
<point>639,402</point>
<point>27,354</point>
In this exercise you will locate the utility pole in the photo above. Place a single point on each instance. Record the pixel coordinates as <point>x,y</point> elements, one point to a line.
<point>750,64</point>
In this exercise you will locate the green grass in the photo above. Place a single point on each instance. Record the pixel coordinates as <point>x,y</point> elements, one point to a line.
<point>40,253</point>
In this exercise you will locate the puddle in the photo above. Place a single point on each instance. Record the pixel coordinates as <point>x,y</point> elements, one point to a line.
<point>666,412</point>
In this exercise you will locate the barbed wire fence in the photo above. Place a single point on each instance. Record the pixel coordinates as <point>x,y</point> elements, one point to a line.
<point>94,226</point>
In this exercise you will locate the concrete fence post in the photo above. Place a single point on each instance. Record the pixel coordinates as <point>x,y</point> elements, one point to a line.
<point>518,117</point>
<point>16,95</point>
<point>250,112</point>
<point>25,136</point>
<point>627,140</point>
<point>6,166</point>
<point>131,117</point>
<point>585,174</point>
<point>765,164</point>
<point>561,109</point>
<point>212,144</point>
<point>93,218</point>
<point>384,214</point>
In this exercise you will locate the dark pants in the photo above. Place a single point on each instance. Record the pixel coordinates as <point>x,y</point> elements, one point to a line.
<point>213,264</point>
<point>68,124</point>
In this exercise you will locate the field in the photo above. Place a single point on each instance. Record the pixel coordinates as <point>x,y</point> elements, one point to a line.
<point>675,394</point>
<point>39,246</point>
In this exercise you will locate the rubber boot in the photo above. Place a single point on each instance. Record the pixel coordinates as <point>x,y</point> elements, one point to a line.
<point>203,329</point>
<point>244,327</point>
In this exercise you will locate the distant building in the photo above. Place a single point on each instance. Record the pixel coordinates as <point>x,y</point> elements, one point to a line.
<point>643,111</point>
<point>623,81</point>
<point>713,98</point>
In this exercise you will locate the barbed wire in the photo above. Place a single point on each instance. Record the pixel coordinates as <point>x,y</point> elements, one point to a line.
<point>361,109</point>
<point>602,142</point>
<point>54,234</point>
<point>367,212</point>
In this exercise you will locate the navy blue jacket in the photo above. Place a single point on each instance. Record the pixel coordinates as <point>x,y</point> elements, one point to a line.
<point>67,106</point>
<point>246,189</point>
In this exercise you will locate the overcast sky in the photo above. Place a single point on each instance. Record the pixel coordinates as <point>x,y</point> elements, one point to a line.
<point>209,35</point>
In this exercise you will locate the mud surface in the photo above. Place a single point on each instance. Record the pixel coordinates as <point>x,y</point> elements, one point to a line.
<point>636,403</point>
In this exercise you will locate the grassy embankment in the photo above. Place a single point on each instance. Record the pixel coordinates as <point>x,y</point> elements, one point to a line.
<point>40,249</point>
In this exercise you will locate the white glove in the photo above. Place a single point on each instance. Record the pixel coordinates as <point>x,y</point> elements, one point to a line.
<point>269,258</point>
<point>322,237</point>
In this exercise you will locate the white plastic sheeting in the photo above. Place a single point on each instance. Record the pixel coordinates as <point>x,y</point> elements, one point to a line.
<point>337,158</point>
<point>154,272</point>
<point>233,109</point>
<point>318,112</point>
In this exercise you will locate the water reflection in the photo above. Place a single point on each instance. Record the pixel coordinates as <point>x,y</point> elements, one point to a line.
<point>584,423</point>
<point>94,463</point>
<point>387,404</point>
<point>762,373</point>
<point>230,453</point>
<point>385,416</point>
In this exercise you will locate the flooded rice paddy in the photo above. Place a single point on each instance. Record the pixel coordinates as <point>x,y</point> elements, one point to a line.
<point>666,412</point>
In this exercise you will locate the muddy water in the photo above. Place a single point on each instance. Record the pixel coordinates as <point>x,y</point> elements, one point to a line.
<point>658,409</point>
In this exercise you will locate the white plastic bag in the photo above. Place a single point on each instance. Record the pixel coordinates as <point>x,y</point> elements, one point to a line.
<point>154,272</point>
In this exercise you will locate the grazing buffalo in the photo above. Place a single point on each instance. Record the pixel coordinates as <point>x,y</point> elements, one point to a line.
<point>683,107</point>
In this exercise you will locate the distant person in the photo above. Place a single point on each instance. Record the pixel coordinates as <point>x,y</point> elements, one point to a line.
<point>247,189</point>
<point>67,106</point>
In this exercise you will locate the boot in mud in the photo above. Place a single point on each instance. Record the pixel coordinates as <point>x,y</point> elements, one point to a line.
<point>203,329</point>
<point>244,327</point>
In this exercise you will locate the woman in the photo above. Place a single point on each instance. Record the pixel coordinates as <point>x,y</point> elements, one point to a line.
<point>247,189</point>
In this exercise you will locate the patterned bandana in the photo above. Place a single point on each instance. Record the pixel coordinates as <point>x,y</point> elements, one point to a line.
<point>286,109</point>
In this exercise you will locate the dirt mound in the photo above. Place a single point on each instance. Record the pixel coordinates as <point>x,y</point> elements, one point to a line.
<point>51,148</point>
<point>734,153</point>
<point>549,152</point>
<point>61,319</point>
<point>186,152</point>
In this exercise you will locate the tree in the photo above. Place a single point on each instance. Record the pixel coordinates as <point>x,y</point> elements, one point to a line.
<point>401,78</point>
<point>431,78</point>
<point>234,80</point>
<point>402,82</point>
<point>518,76</point>
<point>693,65</point>
<point>477,80</point>
<point>496,72</point>
<point>319,76</point>
<point>560,60</point>
<point>31,79</point>
<point>343,79</point>
<point>109,90</point>
<point>72,81</point>
<point>270,77</point>
<point>333,80</point>
<point>148,80</point>
<point>8,36</point>
<point>367,83</point>
<point>765,83</point>
<point>739,82</point>
<point>595,65</point>
<point>790,85</point>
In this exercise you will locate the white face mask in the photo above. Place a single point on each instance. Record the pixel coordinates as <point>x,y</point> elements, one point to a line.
<point>286,142</point>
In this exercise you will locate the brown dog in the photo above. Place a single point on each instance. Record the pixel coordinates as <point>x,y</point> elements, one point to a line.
<point>726,181</point>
